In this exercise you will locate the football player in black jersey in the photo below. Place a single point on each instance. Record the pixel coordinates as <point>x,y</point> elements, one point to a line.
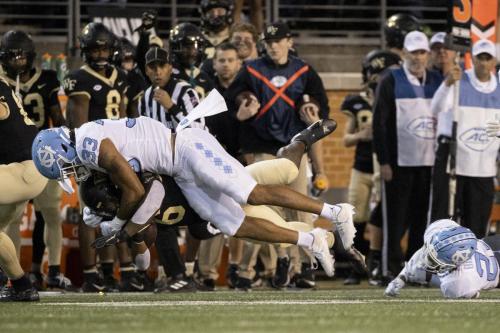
<point>216,19</point>
<point>19,182</point>
<point>38,91</point>
<point>125,58</point>
<point>103,199</point>
<point>95,91</point>
<point>358,133</point>
<point>187,45</point>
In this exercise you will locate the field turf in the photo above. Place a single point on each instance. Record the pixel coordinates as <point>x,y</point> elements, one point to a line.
<point>335,310</point>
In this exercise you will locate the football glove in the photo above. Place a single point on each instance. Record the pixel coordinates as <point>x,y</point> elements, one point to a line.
<point>91,218</point>
<point>493,128</point>
<point>394,287</point>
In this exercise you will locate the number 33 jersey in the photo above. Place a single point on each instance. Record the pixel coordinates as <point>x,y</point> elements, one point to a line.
<point>143,142</point>
<point>104,93</point>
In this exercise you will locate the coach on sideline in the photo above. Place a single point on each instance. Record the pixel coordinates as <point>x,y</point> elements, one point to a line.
<point>478,102</point>
<point>403,136</point>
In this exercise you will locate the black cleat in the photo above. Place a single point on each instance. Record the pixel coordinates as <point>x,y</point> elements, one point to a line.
<point>178,285</point>
<point>357,260</point>
<point>243,284</point>
<point>36,279</point>
<point>281,277</point>
<point>143,278</point>
<point>9,294</point>
<point>207,285</point>
<point>354,278</point>
<point>111,284</point>
<point>93,286</point>
<point>304,280</point>
<point>315,132</point>
<point>60,282</point>
<point>132,284</point>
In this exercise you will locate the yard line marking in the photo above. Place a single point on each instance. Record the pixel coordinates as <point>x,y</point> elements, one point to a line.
<point>270,302</point>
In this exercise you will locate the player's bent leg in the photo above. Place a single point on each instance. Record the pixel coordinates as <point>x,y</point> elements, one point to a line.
<point>20,182</point>
<point>279,171</point>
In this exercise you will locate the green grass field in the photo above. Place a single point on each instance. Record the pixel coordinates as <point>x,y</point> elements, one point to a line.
<point>346,310</point>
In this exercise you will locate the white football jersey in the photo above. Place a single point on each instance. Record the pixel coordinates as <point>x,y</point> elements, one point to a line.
<point>144,142</point>
<point>478,273</point>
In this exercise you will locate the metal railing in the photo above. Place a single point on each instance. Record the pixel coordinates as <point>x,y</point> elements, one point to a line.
<point>343,22</point>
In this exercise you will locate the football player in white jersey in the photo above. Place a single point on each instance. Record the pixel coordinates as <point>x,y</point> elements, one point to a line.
<point>453,260</point>
<point>214,183</point>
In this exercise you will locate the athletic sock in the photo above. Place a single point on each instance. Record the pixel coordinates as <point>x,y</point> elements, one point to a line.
<point>54,270</point>
<point>306,239</point>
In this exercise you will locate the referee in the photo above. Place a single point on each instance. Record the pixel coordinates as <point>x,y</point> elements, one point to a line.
<point>167,100</point>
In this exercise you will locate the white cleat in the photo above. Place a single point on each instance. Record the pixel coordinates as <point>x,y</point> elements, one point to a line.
<point>321,251</point>
<point>344,225</point>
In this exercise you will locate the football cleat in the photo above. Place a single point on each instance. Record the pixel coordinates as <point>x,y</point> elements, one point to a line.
<point>93,286</point>
<point>304,280</point>
<point>36,279</point>
<point>321,251</point>
<point>206,285</point>
<point>315,132</point>
<point>60,282</point>
<point>243,284</point>
<point>281,277</point>
<point>178,285</point>
<point>132,284</point>
<point>344,225</point>
<point>9,294</point>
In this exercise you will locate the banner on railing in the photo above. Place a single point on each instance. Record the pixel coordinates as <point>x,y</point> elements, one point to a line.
<point>121,21</point>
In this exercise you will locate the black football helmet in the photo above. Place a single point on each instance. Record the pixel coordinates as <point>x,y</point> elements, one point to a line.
<point>397,26</point>
<point>374,63</point>
<point>187,45</point>
<point>100,194</point>
<point>14,45</point>
<point>125,51</point>
<point>96,35</point>
<point>216,23</point>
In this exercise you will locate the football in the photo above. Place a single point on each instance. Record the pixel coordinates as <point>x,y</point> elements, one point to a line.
<point>245,96</point>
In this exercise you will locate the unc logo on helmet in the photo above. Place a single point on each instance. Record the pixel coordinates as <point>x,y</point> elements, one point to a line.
<point>55,155</point>
<point>449,248</point>
<point>476,139</point>
<point>423,127</point>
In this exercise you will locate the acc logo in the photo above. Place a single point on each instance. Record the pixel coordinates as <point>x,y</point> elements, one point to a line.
<point>97,87</point>
<point>46,156</point>
<point>423,127</point>
<point>475,139</point>
<point>278,81</point>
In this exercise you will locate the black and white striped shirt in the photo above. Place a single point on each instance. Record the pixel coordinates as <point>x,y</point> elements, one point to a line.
<point>184,98</point>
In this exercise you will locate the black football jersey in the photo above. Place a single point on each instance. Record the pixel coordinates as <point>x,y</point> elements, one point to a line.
<point>198,79</point>
<point>359,108</point>
<point>38,95</point>
<point>17,131</point>
<point>104,93</point>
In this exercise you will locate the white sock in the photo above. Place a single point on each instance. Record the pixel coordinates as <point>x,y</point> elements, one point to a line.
<point>189,268</point>
<point>142,260</point>
<point>330,212</point>
<point>306,239</point>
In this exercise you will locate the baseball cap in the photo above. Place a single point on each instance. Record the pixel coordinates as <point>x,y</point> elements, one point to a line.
<point>416,40</point>
<point>484,46</point>
<point>157,54</point>
<point>438,37</point>
<point>276,30</point>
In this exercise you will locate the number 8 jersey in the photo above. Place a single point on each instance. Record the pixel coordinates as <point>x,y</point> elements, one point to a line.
<point>104,93</point>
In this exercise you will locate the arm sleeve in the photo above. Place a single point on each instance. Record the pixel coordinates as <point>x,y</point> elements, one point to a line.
<point>442,100</point>
<point>384,109</point>
<point>314,88</point>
